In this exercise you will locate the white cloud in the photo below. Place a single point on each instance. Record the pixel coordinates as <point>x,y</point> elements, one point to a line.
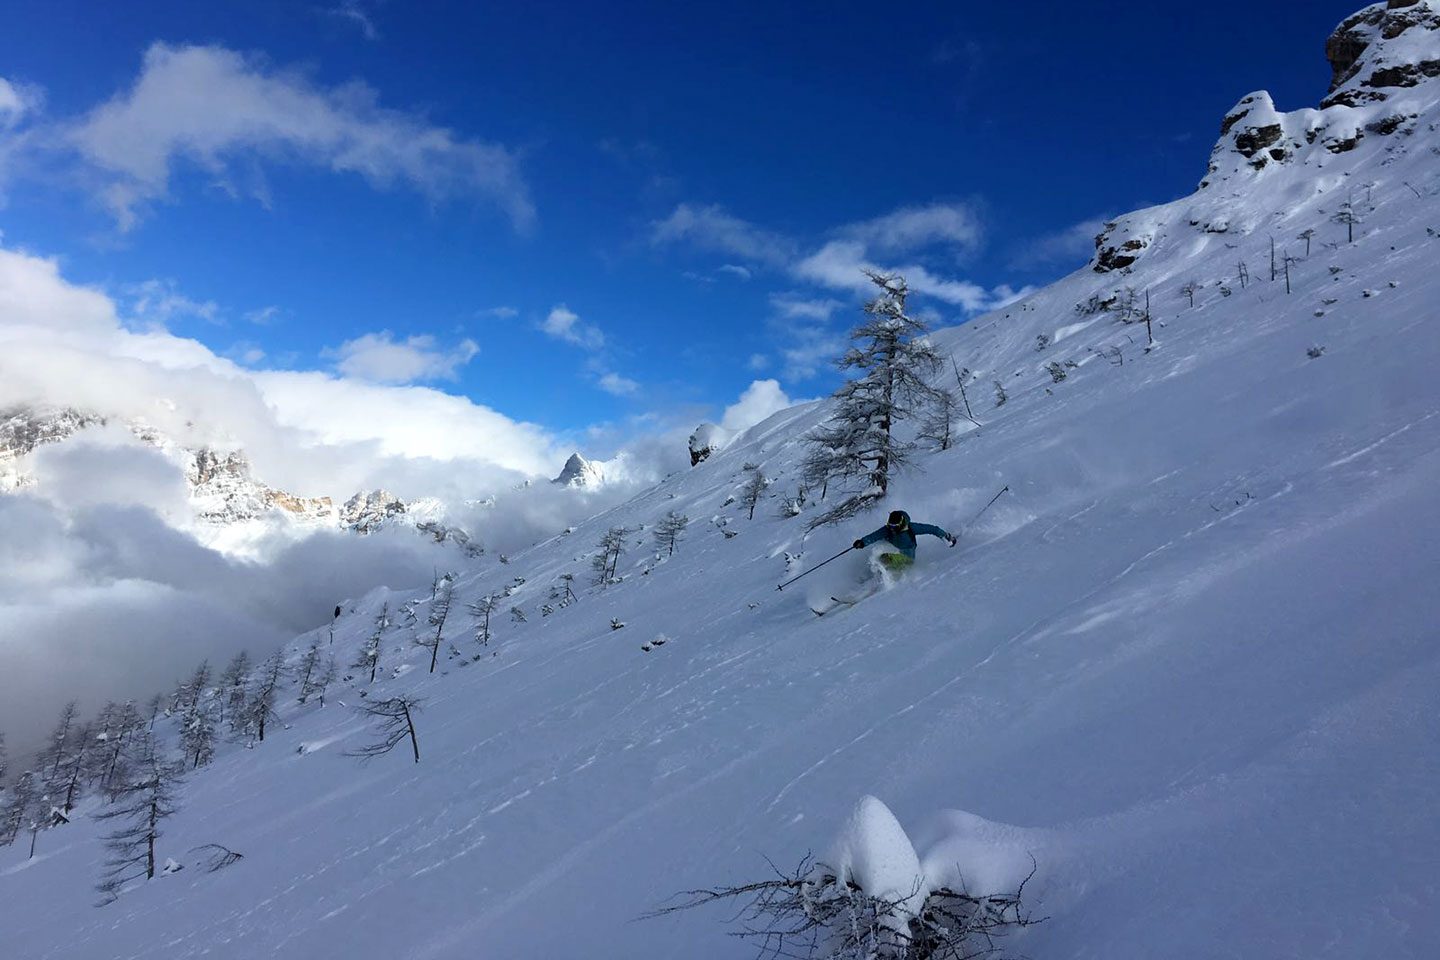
<point>159,302</point>
<point>562,323</point>
<point>792,307</point>
<point>758,361</point>
<point>760,400</point>
<point>352,12</point>
<point>1073,245</point>
<point>810,349</point>
<point>211,106</point>
<point>262,317</point>
<point>713,230</point>
<point>378,358</point>
<point>618,385</point>
<point>501,313</point>
<point>744,273</point>
<point>247,353</point>
<point>16,101</point>
<point>308,432</point>
<point>912,228</point>
<point>841,265</point>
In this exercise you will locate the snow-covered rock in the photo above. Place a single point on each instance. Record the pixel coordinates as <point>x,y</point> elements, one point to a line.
<point>706,440</point>
<point>366,512</point>
<point>224,491</point>
<point>579,472</point>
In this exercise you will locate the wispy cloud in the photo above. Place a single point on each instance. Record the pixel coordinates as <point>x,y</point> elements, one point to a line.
<point>790,306</point>
<point>500,313</point>
<point>735,270</point>
<point>615,384</point>
<point>353,12</point>
<point>842,264</point>
<point>16,101</point>
<point>713,230</point>
<point>160,302</point>
<point>262,317</point>
<point>562,323</point>
<point>379,358</point>
<point>212,107</point>
<point>1072,245</point>
<point>953,225</point>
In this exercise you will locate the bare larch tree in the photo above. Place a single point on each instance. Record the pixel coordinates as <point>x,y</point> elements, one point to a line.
<point>396,717</point>
<point>670,530</point>
<point>145,801</point>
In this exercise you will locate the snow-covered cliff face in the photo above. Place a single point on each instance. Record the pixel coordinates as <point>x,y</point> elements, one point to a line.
<point>224,491</point>
<point>22,429</point>
<point>1386,74</point>
<point>229,503</point>
<point>579,472</point>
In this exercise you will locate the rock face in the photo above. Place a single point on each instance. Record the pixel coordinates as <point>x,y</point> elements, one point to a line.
<point>366,512</point>
<point>224,491</point>
<point>1385,46</point>
<point>707,438</point>
<point>223,488</point>
<point>1385,70</point>
<point>579,472</point>
<point>22,429</point>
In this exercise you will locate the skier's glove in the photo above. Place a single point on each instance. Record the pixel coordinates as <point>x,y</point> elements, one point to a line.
<point>858,545</point>
<point>954,539</point>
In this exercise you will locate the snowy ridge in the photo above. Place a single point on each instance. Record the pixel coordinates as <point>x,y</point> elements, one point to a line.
<point>1187,664</point>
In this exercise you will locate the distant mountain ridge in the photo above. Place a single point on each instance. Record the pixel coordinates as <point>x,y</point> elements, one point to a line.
<point>222,487</point>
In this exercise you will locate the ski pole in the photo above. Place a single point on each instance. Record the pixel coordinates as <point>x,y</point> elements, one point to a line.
<point>814,568</point>
<point>988,506</point>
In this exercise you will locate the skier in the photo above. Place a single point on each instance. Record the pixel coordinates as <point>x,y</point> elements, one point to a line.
<point>901,534</point>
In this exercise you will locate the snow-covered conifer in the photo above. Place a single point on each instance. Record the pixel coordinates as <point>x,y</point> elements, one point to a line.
<point>260,706</point>
<point>58,744</point>
<point>115,726</point>
<point>23,809</point>
<point>232,684</point>
<point>754,489</point>
<point>938,424</point>
<point>857,448</point>
<point>197,733</point>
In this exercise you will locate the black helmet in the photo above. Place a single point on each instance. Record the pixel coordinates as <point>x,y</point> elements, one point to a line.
<point>899,519</point>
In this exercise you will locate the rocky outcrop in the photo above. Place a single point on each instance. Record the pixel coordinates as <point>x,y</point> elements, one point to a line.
<point>707,438</point>
<point>22,429</point>
<point>366,512</point>
<point>1385,47</point>
<point>224,491</point>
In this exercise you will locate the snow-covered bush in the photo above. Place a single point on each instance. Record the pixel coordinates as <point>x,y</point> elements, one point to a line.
<point>870,899</point>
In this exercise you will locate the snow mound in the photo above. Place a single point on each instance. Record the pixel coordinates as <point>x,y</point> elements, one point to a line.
<point>874,853</point>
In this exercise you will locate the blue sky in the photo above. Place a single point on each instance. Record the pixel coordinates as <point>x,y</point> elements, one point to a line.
<point>578,214</point>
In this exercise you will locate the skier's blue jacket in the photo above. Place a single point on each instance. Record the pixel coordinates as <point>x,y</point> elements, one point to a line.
<point>904,538</point>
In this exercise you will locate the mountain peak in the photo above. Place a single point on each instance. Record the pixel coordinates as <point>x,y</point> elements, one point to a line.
<point>579,472</point>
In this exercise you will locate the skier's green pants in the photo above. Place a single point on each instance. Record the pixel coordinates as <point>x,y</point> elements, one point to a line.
<point>896,561</point>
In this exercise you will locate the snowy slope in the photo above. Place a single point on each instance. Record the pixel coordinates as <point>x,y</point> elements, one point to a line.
<point>1189,662</point>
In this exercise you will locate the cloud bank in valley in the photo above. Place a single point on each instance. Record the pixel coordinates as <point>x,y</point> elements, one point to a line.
<point>105,591</point>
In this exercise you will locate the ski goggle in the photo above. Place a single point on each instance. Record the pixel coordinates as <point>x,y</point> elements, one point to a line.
<point>897,526</point>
